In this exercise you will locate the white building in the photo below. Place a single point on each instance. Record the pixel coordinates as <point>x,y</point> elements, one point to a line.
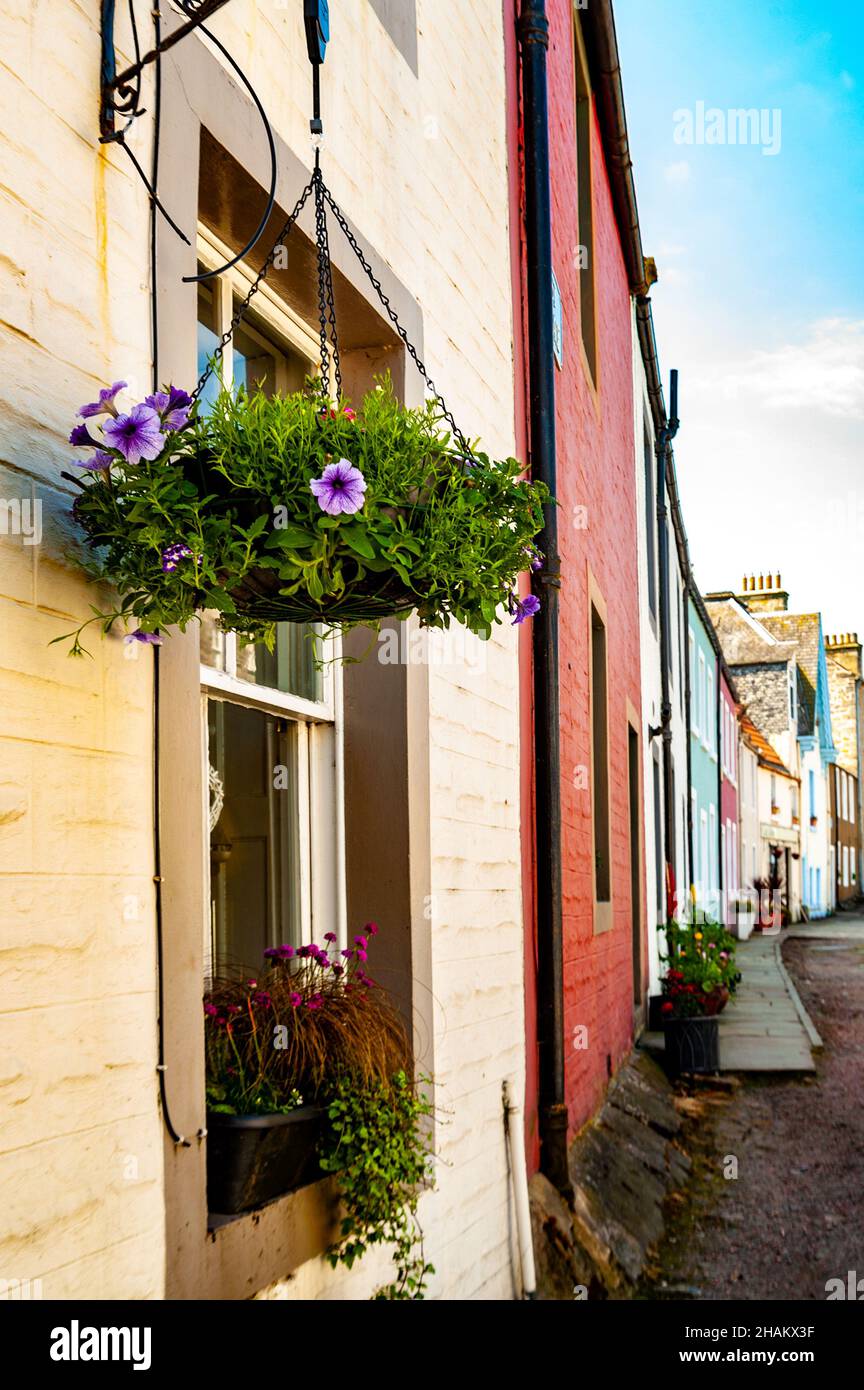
<point>651,417</point>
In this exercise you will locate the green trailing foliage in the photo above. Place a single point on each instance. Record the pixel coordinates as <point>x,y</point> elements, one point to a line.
<point>376,1145</point>
<point>225,518</point>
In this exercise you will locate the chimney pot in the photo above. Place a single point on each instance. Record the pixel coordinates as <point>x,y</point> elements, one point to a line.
<point>769,582</point>
<point>779,585</point>
<point>761,581</point>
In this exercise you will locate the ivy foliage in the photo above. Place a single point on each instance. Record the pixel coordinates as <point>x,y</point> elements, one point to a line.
<point>440,533</point>
<point>376,1144</point>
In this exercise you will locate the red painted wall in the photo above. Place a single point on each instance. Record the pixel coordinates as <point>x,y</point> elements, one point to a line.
<point>596,471</point>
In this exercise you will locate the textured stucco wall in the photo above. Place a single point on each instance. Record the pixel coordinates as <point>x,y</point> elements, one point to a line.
<point>80,1139</point>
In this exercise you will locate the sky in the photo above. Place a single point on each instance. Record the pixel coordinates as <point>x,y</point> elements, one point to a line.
<point>760,301</point>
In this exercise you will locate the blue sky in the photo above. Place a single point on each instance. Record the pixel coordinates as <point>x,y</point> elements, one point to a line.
<point>760,302</point>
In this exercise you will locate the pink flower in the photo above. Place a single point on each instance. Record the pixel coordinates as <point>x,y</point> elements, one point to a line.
<point>295,1000</point>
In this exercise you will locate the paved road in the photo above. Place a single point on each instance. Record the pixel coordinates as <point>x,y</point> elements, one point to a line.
<point>793,1217</point>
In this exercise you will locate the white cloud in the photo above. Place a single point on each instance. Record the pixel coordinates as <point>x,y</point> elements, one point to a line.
<point>824,372</point>
<point>678,172</point>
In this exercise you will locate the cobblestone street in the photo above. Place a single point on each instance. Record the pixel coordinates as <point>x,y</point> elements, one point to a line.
<point>793,1217</point>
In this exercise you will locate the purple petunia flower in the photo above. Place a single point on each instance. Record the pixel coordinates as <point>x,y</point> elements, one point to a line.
<point>100,462</point>
<point>340,488</point>
<point>81,435</point>
<point>525,608</point>
<point>151,639</point>
<point>105,404</point>
<point>137,435</point>
<point>172,407</point>
<point>172,556</point>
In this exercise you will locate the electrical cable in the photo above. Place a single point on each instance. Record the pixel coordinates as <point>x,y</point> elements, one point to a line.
<point>157,828</point>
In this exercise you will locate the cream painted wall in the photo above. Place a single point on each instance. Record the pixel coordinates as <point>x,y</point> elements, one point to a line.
<point>419,164</point>
<point>80,1133</point>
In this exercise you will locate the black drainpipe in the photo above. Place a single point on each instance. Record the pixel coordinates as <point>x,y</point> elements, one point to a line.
<point>533,30</point>
<point>663,446</point>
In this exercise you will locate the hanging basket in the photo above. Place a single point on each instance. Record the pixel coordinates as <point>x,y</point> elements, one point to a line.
<point>276,509</point>
<point>299,508</point>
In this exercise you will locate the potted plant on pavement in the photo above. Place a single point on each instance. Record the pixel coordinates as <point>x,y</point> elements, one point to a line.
<point>701,974</point>
<point>309,1073</point>
<point>288,508</point>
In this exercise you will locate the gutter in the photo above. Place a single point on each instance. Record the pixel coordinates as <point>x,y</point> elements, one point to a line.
<point>533,33</point>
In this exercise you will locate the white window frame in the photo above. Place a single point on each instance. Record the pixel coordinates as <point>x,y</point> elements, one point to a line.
<point>694,691</point>
<point>319,723</point>
<point>710,739</point>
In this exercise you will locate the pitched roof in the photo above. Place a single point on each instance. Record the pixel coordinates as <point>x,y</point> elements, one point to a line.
<point>806,630</point>
<point>762,748</point>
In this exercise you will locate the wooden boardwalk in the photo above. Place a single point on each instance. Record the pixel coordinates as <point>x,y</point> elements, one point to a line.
<point>765,1027</point>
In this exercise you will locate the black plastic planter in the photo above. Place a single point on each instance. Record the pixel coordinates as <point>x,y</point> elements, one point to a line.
<point>253,1158</point>
<point>692,1045</point>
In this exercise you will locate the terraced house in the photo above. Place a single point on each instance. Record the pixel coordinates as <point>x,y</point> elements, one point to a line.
<point>401,779</point>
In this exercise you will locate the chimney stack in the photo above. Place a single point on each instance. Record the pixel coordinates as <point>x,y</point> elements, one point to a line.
<point>765,595</point>
<point>846,649</point>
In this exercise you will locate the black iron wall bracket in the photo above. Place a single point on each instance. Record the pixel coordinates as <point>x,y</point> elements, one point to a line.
<point>121,91</point>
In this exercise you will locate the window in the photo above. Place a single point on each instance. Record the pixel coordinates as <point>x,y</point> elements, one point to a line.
<point>587,310</point>
<point>650,523</point>
<point>733,869</point>
<point>811,783</point>
<point>712,815</point>
<point>793,705</point>
<point>694,701</point>
<point>600,757</point>
<point>658,851</point>
<point>272,719</point>
<point>709,724</point>
<point>703,707</point>
<point>774,802</point>
<point>682,625</point>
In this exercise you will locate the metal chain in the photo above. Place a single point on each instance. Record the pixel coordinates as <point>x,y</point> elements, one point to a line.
<point>391,313</point>
<point>326,301</point>
<point>331,302</point>
<point>320,234</point>
<point>253,290</point>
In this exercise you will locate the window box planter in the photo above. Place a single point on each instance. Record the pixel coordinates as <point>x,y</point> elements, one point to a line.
<point>775,810</point>
<point>814,821</point>
<point>796,820</point>
<point>692,1045</point>
<point>252,1159</point>
<point>745,920</point>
